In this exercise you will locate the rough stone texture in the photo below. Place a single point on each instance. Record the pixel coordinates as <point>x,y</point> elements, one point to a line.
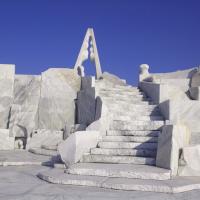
<point>190,161</point>
<point>17,183</point>
<point>118,159</point>
<point>170,142</point>
<point>44,137</point>
<point>72,149</point>
<point>119,170</point>
<point>58,91</point>
<point>175,185</point>
<point>24,111</point>
<point>7,73</point>
<point>6,142</point>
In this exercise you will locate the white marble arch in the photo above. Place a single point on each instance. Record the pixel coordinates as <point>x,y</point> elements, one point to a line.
<point>89,49</point>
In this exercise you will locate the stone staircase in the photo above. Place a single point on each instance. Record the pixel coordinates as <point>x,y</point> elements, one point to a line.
<point>128,150</point>
<point>134,128</point>
<point>125,157</point>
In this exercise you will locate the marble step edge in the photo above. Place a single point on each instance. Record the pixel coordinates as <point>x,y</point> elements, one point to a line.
<point>127,99</point>
<point>127,145</point>
<point>137,118</point>
<point>124,152</point>
<point>133,133</point>
<point>50,147</point>
<point>119,171</point>
<point>174,185</point>
<point>135,127</point>
<point>92,158</point>
<point>138,122</point>
<point>125,138</point>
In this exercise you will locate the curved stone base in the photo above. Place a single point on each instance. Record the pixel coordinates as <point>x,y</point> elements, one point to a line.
<point>175,185</point>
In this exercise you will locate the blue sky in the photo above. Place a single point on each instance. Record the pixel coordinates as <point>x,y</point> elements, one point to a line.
<point>38,34</point>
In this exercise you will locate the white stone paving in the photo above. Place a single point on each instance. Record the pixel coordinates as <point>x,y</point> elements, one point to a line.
<point>21,183</point>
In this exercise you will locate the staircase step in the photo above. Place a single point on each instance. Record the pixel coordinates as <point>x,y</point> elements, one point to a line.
<point>134,112</point>
<point>119,89</point>
<point>174,185</point>
<point>44,152</point>
<point>133,107</point>
<point>119,170</point>
<point>89,158</point>
<point>134,133</point>
<point>127,145</point>
<point>129,139</point>
<point>138,118</point>
<point>122,98</point>
<point>124,152</point>
<point>120,92</point>
<point>136,125</point>
<point>138,122</point>
<point>58,176</point>
<point>115,102</point>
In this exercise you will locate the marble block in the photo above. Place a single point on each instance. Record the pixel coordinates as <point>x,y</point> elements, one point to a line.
<point>170,142</point>
<point>76,145</point>
<point>24,111</point>
<point>58,91</point>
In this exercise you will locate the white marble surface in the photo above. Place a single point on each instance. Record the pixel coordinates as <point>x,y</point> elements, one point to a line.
<point>78,143</point>
<point>7,73</point>
<point>21,183</point>
<point>24,111</point>
<point>58,90</point>
<point>170,142</point>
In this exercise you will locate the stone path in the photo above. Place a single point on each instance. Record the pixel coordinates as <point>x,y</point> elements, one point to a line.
<point>22,157</point>
<point>21,183</point>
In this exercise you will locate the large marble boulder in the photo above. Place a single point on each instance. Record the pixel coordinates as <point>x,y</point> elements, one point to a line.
<point>170,142</point>
<point>7,73</point>
<point>24,112</point>
<point>59,88</point>
<point>76,145</point>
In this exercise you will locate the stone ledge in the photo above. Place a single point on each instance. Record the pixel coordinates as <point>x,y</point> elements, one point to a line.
<point>175,185</point>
